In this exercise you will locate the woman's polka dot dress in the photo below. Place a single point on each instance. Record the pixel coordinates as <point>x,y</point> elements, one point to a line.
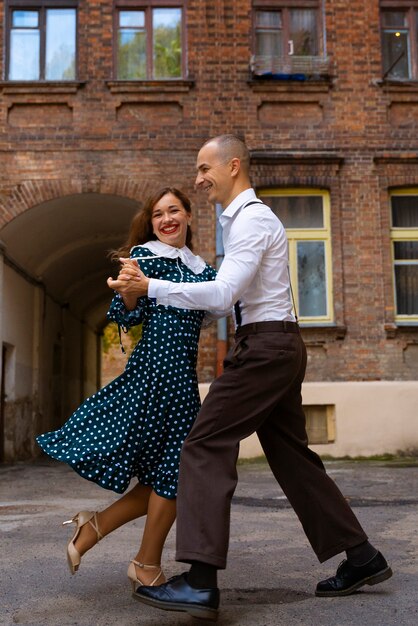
<point>136,425</point>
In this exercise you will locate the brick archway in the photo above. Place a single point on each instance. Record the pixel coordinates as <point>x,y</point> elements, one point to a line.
<point>17,199</point>
<point>54,296</point>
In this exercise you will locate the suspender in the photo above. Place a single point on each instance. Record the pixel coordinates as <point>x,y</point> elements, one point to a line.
<point>237,308</point>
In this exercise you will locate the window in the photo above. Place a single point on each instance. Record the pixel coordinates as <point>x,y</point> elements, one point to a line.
<point>404,235</point>
<point>320,423</point>
<point>306,217</point>
<point>399,26</point>
<point>41,41</point>
<point>288,39</point>
<point>149,42</point>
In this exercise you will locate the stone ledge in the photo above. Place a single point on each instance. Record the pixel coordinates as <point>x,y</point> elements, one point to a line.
<point>265,156</point>
<point>150,86</point>
<point>40,86</point>
<point>396,86</point>
<point>392,330</point>
<point>317,335</point>
<point>289,86</point>
<point>396,157</point>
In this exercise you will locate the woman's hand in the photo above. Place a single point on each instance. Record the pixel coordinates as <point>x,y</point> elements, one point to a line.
<point>131,283</point>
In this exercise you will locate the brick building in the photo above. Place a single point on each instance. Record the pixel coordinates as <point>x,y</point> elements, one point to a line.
<point>102,101</point>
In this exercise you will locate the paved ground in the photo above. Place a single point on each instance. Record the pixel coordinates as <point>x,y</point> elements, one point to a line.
<point>272,571</point>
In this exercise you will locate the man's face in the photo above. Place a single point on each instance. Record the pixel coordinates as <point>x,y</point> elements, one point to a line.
<point>214,174</point>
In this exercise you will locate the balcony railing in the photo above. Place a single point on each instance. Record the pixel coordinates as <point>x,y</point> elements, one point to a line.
<point>303,66</point>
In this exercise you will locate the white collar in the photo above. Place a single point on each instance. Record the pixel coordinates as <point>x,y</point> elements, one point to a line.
<point>194,262</point>
<point>241,198</point>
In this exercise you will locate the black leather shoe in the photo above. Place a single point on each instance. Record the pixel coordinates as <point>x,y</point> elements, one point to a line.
<point>177,595</point>
<point>350,577</point>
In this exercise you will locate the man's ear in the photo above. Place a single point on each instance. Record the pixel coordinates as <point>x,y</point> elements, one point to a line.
<point>235,166</point>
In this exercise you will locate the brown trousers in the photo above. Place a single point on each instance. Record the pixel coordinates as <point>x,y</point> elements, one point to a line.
<point>259,391</point>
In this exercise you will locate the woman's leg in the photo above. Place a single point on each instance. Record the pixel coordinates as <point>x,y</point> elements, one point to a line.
<point>160,518</point>
<point>130,506</point>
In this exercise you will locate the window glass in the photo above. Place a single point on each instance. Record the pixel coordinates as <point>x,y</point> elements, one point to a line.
<point>134,19</point>
<point>132,60</point>
<point>306,218</point>
<point>416,30</point>
<point>405,211</point>
<point>406,281</point>
<point>396,53</point>
<point>24,51</point>
<point>60,47</point>
<point>311,278</point>
<point>298,211</point>
<point>25,19</point>
<point>269,37</point>
<point>303,32</point>
<point>167,43</point>
<point>43,44</point>
<point>269,19</point>
<point>405,253</point>
<point>406,250</point>
<point>394,18</point>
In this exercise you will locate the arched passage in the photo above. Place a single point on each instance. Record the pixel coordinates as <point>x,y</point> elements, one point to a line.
<point>54,297</point>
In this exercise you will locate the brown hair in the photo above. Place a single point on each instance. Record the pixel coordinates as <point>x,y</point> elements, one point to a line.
<point>141,231</point>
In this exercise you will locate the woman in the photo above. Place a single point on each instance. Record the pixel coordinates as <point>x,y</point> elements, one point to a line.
<point>136,425</point>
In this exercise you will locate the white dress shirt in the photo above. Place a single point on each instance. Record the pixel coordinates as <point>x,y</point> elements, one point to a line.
<point>254,270</point>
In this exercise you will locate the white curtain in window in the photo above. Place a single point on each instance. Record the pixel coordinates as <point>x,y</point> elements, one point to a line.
<point>303,32</point>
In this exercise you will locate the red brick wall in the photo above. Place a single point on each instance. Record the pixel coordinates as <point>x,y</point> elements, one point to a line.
<point>352,135</point>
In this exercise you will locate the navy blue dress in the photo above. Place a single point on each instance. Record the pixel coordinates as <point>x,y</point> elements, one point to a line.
<point>136,425</point>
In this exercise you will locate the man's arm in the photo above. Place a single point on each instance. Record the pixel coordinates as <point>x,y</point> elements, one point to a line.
<point>245,252</point>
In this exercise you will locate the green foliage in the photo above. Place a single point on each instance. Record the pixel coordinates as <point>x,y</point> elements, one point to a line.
<point>167,52</point>
<point>132,56</point>
<point>110,337</point>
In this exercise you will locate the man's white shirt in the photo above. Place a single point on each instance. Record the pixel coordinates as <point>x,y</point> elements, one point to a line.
<point>254,270</point>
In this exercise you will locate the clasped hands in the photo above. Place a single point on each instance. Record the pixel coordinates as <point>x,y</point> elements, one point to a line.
<point>131,282</point>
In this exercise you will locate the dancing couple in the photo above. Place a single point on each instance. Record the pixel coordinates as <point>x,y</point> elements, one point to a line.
<point>146,417</point>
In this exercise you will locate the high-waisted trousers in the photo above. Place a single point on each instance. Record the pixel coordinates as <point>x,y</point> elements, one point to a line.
<point>258,391</point>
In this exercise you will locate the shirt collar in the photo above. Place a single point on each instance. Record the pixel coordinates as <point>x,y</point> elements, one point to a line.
<point>194,262</point>
<point>232,208</point>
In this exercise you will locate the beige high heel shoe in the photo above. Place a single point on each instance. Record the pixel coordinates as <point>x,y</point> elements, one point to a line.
<point>82,518</point>
<point>134,578</point>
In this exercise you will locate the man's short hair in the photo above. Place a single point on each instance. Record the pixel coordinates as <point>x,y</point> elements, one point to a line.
<point>232,147</point>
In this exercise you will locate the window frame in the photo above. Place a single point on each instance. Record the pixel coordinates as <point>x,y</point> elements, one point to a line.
<point>284,6</point>
<point>327,414</point>
<point>147,7</point>
<point>410,7</point>
<point>41,6</point>
<point>294,235</point>
<point>400,234</point>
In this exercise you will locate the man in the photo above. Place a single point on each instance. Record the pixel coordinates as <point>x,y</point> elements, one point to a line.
<point>259,391</point>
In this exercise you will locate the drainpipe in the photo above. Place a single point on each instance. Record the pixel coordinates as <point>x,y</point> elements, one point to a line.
<point>222,330</point>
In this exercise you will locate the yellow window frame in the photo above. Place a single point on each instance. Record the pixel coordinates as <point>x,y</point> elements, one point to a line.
<point>295,235</point>
<point>401,234</point>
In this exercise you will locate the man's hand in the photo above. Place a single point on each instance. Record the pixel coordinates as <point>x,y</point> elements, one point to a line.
<point>131,282</point>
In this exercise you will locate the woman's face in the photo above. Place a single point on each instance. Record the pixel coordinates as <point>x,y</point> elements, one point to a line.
<point>170,220</point>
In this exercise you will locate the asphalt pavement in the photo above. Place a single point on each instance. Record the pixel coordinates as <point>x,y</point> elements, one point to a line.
<point>271,575</point>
